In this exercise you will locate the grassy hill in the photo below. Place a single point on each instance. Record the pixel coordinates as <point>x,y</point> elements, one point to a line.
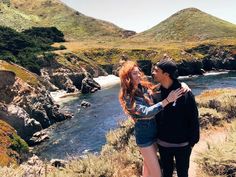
<point>24,14</point>
<point>189,25</point>
<point>16,19</point>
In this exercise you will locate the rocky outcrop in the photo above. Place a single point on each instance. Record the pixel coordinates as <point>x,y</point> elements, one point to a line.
<point>127,33</point>
<point>145,66</point>
<point>70,76</point>
<point>192,67</point>
<point>216,57</point>
<point>89,85</point>
<point>27,108</point>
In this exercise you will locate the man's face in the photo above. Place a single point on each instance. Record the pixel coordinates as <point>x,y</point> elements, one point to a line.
<point>158,74</point>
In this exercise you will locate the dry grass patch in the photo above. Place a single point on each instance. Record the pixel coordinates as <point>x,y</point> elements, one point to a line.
<point>220,158</point>
<point>12,147</point>
<point>223,100</point>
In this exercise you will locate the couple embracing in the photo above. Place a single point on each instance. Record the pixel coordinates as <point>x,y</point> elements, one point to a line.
<point>165,116</point>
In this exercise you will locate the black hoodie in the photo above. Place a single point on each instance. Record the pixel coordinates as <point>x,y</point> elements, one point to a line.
<point>179,123</point>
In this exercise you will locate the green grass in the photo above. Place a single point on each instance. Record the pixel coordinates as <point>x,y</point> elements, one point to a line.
<point>20,72</point>
<point>73,24</point>
<point>189,25</point>
<point>16,19</point>
<point>111,52</point>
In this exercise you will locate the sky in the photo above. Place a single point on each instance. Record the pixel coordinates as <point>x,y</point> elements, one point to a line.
<point>140,15</point>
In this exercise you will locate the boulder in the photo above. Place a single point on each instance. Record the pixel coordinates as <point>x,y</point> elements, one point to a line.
<point>38,138</point>
<point>89,85</point>
<point>20,120</point>
<point>85,104</point>
<point>58,163</point>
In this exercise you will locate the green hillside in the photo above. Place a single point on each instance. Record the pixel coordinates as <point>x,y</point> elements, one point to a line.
<point>189,25</point>
<point>16,19</point>
<point>24,14</point>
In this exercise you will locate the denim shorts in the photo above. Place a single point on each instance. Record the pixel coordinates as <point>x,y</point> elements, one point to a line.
<point>145,132</point>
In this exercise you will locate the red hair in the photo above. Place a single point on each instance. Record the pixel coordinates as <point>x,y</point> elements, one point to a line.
<point>128,90</point>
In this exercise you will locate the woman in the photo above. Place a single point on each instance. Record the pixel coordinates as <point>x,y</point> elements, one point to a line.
<point>136,100</point>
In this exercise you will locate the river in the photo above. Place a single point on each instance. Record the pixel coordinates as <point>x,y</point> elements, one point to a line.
<point>86,131</point>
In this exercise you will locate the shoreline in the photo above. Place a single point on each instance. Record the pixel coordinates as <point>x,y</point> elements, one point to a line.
<point>210,73</point>
<point>106,82</point>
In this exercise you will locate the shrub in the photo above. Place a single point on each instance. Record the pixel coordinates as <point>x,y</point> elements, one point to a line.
<point>210,117</point>
<point>46,34</point>
<point>220,158</point>
<point>223,100</point>
<point>21,48</point>
<point>13,149</point>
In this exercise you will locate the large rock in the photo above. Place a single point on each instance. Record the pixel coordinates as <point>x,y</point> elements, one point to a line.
<point>190,67</point>
<point>68,78</point>
<point>89,85</point>
<point>145,66</point>
<point>20,120</point>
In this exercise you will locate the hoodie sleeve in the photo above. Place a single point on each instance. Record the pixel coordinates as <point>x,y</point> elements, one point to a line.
<point>192,113</point>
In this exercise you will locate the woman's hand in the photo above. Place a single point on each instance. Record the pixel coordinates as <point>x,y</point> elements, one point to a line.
<point>175,94</point>
<point>185,87</point>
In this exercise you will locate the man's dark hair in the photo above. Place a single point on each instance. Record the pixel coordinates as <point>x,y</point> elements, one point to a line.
<point>168,66</point>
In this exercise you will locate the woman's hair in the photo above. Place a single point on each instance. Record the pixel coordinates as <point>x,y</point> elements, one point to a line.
<point>128,90</point>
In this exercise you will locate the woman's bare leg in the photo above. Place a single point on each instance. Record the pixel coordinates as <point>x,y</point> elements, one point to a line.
<point>150,158</point>
<point>146,171</point>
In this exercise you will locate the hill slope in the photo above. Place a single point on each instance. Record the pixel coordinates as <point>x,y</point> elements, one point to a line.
<point>16,19</point>
<point>189,24</point>
<point>54,13</point>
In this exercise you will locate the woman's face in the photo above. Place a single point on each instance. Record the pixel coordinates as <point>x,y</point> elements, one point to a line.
<point>135,76</point>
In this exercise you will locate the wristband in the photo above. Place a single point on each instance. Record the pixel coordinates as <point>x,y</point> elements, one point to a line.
<point>167,100</point>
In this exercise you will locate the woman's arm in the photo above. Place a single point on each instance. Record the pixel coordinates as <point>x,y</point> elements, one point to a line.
<point>142,110</point>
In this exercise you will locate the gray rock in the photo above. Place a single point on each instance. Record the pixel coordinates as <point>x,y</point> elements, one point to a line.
<point>89,85</point>
<point>58,163</point>
<point>38,138</point>
<point>85,104</point>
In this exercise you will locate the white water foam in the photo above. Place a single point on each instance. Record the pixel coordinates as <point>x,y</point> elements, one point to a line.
<point>107,81</point>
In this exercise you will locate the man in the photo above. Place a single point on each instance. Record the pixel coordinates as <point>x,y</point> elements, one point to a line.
<point>178,124</point>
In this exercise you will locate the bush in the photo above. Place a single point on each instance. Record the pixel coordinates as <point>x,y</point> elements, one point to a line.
<point>62,47</point>
<point>220,158</point>
<point>22,48</point>
<point>223,100</point>
<point>46,34</point>
<point>13,149</point>
<point>210,117</point>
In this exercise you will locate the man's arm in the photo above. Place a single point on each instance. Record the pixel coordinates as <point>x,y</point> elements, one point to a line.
<point>192,113</point>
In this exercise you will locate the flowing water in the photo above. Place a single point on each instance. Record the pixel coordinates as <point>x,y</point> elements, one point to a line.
<point>86,131</point>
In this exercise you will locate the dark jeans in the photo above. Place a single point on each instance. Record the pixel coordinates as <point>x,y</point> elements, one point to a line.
<point>181,155</point>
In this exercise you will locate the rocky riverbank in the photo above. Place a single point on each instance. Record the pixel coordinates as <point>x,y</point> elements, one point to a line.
<point>25,107</point>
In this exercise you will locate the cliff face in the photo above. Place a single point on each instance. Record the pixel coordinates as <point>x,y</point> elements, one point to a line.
<point>69,72</point>
<point>26,108</point>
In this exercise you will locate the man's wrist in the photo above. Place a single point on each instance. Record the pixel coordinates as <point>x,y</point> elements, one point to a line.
<point>167,100</point>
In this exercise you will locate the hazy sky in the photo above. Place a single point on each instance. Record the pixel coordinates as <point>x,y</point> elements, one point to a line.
<point>140,15</point>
